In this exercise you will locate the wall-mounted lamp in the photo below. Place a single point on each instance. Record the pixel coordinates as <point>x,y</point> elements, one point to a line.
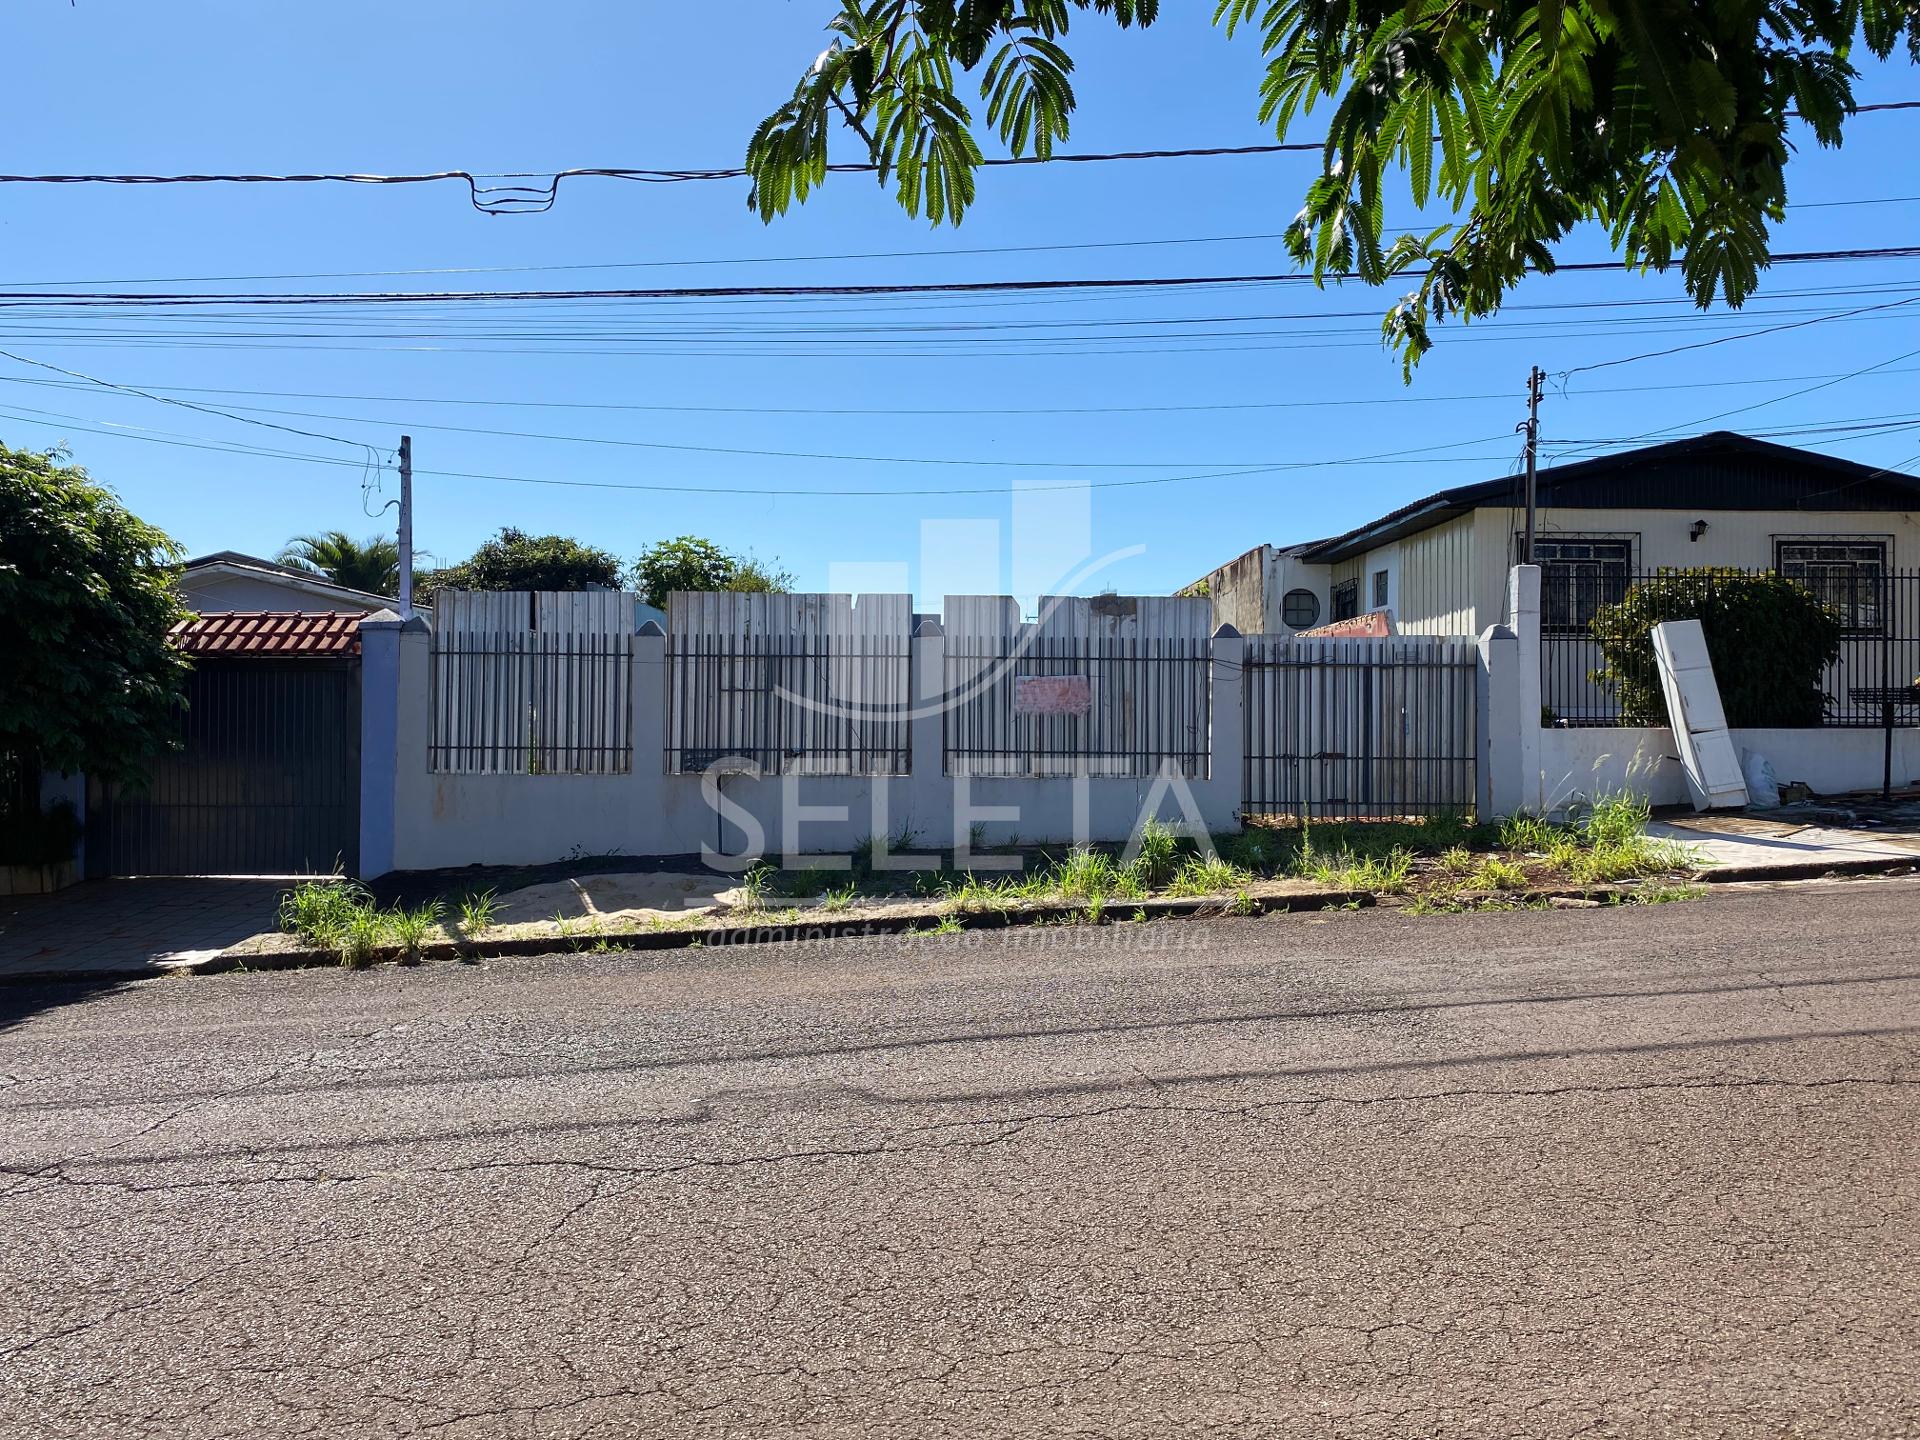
<point>1696,530</point>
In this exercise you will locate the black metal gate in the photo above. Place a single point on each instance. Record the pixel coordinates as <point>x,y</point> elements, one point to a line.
<point>266,781</point>
<point>1359,729</point>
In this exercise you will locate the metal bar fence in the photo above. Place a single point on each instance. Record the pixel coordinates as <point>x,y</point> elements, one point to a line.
<point>1147,706</point>
<point>788,704</point>
<point>524,702</point>
<point>1870,685</point>
<point>1359,729</point>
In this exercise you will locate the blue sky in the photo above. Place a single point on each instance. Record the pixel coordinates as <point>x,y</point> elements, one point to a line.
<point>124,87</point>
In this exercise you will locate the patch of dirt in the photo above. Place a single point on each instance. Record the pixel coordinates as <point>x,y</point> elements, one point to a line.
<point>629,897</point>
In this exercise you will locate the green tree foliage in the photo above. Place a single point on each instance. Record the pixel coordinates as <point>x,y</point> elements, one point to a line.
<point>690,563</point>
<point>372,564</point>
<point>1666,121</point>
<point>515,560</point>
<point>1771,640</point>
<point>88,681</point>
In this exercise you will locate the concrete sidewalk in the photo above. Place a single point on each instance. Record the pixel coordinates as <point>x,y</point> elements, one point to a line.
<point>1737,844</point>
<point>117,928</point>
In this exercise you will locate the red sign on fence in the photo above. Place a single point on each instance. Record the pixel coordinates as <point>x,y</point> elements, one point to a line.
<point>1052,695</point>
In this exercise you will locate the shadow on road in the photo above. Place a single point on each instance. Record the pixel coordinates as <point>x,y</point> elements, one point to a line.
<point>21,1000</point>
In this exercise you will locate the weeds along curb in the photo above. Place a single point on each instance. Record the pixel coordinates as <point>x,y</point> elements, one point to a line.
<point>1115,912</point>
<point>1054,913</point>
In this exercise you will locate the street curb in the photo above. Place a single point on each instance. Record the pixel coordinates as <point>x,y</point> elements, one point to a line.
<point>1807,870</point>
<point>1120,912</point>
<point>1115,912</point>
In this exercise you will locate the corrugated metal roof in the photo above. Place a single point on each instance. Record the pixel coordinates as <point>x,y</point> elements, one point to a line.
<point>270,633</point>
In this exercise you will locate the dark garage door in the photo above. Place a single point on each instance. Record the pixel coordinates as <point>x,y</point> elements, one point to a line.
<point>266,782</point>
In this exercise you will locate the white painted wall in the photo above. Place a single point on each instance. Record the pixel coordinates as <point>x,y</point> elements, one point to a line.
<point>444,820</point>
<point>1580,764</point>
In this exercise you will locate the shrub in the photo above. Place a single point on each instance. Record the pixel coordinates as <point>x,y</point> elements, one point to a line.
<point>1769,637</point>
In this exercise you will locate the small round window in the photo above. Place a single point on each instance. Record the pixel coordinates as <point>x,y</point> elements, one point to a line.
<point>1300,609</point>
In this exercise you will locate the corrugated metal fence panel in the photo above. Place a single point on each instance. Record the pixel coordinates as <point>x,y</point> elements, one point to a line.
<point>1359,729</point>
<point>1147,661</point>
<point>266,780</point>
<point>533,682</point>
<point>807,684</point>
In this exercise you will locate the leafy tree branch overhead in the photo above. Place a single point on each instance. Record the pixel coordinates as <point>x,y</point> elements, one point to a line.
<point>1666,121</point>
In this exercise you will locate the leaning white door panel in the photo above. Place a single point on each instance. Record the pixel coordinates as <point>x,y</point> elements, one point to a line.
<point>1699,721</point>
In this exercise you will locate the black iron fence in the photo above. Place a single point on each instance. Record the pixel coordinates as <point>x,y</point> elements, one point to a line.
<point>789,704</point>
<point>1091,705</point>
<point>532,703</point>
<point>1360,729</point>
<point>1873,682</point>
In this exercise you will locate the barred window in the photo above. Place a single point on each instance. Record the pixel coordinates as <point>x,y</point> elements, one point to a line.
<point>1344,600</point>
<point>1577,576</point>
<point>1845,572</point>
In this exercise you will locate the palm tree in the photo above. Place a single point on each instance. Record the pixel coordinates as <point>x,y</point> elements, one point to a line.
<point>372,564</point>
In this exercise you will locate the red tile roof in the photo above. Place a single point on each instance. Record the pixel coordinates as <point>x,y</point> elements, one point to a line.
<point>304,634</point>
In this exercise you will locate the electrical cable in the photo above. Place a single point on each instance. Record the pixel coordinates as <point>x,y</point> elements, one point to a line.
<point>818,258</point>
<point>97,299</point>
<point>183,404</point>
<point>971,411</point>
<point>810,455</point>
<point>1826,383</point>
<point>1423,455</point>
<point>540,197</point>
<point>1565,375</point>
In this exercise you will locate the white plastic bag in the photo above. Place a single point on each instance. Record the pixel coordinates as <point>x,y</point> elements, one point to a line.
<point>1763,786</point>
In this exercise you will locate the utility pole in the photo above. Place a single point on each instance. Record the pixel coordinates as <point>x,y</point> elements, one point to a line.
<point>1535,377</point>
<point>406,527</point>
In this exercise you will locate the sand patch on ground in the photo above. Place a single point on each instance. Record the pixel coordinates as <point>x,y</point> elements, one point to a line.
<point>639,896</point>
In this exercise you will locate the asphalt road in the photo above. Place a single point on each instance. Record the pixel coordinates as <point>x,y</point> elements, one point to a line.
<point>1645,1172</point>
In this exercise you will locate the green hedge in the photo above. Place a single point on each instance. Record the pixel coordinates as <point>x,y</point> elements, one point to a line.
<point>1770,639</point>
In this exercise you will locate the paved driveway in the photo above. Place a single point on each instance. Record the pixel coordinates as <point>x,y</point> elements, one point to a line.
<point>119,928</point>
<point>1603,1173</point>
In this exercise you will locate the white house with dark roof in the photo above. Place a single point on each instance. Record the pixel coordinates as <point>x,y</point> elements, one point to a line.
<point>1439,565</point>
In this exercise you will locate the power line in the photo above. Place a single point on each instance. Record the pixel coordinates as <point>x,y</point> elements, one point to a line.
<point>186,404</point>
<point>976,411</point>
<point>722,326</point>
<point>1424,455</point>
<point>941,461</point>
<point>809,347</point>
<point>1565,375</point>
<point>1251,466</point>
<point>100,299</point>
<point>815,258</point>
<point>492,193</point>
<point>491,197</point>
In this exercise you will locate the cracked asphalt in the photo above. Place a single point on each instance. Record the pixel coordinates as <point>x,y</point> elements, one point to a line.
<point>1638,1172</point>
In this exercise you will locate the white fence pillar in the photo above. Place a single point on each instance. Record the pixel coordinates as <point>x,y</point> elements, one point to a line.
<point>1499,764</point>
<point>1220,793</point>
<point>1523,617</point>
